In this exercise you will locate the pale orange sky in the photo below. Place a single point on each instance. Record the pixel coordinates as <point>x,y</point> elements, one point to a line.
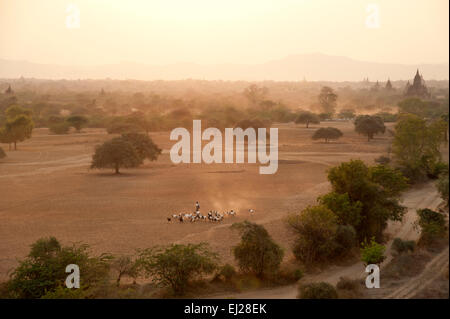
<point>222,31</point>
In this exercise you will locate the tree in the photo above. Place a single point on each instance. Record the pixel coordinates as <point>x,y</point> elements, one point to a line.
<point>174,266</point>
<point>316,228</point>
<point>347,114</point>
<point>416,146</point>
<point>77,121</point>
<point>374,190</point>
<point>257,252</point>
<point>307,118</point>
<point>2,153</point>
<point>115,154</point>
<point>348,212</point>
<point>125,266</point>
<point>15,111</point>
<point>327,133</point>
<point>17,130</point>
<point>143,145</point>
<point>255,94</point>
<point>369,125</point>
<point>43,270</point>
<point>327,100</point>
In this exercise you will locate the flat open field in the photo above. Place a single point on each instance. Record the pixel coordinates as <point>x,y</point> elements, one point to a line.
<point>47,189</point>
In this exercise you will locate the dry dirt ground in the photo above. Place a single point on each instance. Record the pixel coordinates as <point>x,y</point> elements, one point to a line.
<point>47,189</point>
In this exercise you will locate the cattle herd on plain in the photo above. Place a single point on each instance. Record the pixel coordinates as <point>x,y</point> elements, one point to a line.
<point>212,216</point>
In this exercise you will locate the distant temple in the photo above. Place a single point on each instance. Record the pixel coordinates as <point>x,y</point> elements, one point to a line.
<point>418,87</point>
<point>9,90</point>
<point>388,86</point>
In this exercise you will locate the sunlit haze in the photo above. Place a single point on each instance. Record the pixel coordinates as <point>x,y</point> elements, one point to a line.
<point>158,32</point>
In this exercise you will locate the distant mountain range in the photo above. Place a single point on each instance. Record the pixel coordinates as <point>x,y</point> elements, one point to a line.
<point>312,67</point>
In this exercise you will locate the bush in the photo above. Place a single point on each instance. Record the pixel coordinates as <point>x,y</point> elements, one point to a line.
<point>432,225</point>
<point>321,290</point>
<point>43,271</point>
<point>372,252</point>
<point>345,239</point>
<point>176,265</point>
<point>382,160</point>
<point>402,246</point>
<point>316,228</point>
<point>442,186</point>
<point>257,253</point>
<point>59,128</point>
<point>77,121</point>
<point>227,272</point>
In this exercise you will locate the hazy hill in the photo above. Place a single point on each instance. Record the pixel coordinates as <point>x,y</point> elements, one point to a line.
<point>313,67</point>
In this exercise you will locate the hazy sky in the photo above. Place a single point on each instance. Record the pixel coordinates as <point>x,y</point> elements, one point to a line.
<point>222,31</point>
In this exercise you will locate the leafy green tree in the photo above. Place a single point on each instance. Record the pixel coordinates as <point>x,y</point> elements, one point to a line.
<point>365,186</point>
<point>15,111</point>
<point>77,121</point>
<point>43,270</point>
<point>115,154</point>
<point>369,125</point>
<point>320,290</point>
<point>327,100</point>
<point>372,252</point>
<point>17,130</point>
<point>143,145</point>
<point>307,118</point>
<point>315,228</point>
<point>348,212</point>
<point>327,133</point>
<point>413,106</point>
<point>176,265</point>
<point>257,253</point>
<point>416,146</point>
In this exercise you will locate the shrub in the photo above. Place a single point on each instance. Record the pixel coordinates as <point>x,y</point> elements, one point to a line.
<point>316,228</point>
<point>227,272</point>
<point>402,246</point>
<point>345,239</point>
<point>442,186</point>
<point>382,160</point>
<point>321,290</point>
<point>372,252</point>
<point>43,270</point>
<point>432,225</point>
<point>176,265</point>
<point>257,253</point>
<point>59,128</point>
<point>77,121</point>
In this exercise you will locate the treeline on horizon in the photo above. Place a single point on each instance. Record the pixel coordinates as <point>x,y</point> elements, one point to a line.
<point>168,104</point>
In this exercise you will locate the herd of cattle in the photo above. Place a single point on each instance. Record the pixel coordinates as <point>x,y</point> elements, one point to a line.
<point>212,216</point>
